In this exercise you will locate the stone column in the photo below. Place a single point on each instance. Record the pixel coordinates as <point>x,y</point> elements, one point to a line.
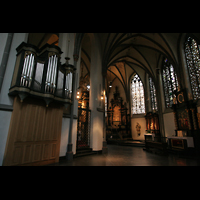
<point>68,42</point>
<point>97,124</point>
<point>104,148</point>
<point>69,153</point>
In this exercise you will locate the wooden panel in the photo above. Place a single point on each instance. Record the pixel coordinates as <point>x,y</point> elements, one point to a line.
<point>17,154</point>
<point>53,151</point>
<point>45,154</point>
<point>37,152</point>
<point>34,133</point>
<point>39,131</point>
<point>27,153</point>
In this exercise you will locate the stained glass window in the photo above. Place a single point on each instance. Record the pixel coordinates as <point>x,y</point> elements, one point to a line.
<point>106,106</point>
<point>170,82</point>
<point>193,63</point>
<point>153,95</point>
<point>137,90</point>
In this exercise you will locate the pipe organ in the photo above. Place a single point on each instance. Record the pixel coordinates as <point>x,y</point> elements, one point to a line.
<point>50,83</point>
<point>39,73</point>
<point>27,70</point>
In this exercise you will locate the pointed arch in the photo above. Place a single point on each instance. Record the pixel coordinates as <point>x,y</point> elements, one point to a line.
<point>192,57</point>
<point>137,95</point>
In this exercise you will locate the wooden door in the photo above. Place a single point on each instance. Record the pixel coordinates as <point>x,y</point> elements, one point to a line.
<point>34,133</point>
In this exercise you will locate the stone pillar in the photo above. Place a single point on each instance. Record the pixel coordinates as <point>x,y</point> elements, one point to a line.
<point>104,148</point>
<point>67,43</point>
<point>96,132</point>
<point>69,153</point>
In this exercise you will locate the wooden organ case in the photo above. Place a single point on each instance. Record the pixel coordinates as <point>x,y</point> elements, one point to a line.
<point>118,121</point>
<point>40,86</point>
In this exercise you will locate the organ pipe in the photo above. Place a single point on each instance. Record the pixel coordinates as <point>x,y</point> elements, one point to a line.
<point>27,70</point>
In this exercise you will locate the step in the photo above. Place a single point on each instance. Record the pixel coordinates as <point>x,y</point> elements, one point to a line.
<point>84,152</point>
<point>81,150</point>
<point>134,144</point>
<point>129,142</point>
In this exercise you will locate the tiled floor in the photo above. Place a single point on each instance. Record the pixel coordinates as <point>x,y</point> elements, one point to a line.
<point>129,156</point>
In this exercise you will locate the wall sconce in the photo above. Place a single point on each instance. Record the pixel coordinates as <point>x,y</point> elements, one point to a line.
<point>102,97</point>
<point>110,84</point>
<point>78,93</point>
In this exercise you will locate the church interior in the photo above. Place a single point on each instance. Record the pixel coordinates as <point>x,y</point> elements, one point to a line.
<point>68,95</point>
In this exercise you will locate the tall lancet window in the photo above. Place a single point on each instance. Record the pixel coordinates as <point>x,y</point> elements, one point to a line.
<point>137,91</point>
<point>153,95</point>
<point>170,82</point>
<point>192,50</point>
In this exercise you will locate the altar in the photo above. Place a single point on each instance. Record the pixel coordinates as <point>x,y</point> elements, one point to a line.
<point>118,121</point>
<point>180,142</point>
<point>149,136</point>
<point>187,128</point>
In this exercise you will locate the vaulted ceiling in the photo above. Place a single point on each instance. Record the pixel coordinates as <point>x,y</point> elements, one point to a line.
<point>40,39</point>
<point>139,49</point>
<point>127,53</point>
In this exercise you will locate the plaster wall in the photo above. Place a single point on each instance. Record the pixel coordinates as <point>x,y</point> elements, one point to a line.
<point>142,123</point>
<point>169,124</point>
<point>3,39</point>
<point>5,117</point>
<point>18,38</point>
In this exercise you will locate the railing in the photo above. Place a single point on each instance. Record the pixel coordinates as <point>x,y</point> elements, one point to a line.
<point>38,72</point>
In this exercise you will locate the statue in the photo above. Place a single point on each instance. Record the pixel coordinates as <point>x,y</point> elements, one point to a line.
<point>138,127</point>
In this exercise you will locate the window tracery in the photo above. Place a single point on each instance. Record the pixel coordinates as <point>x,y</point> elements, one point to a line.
<point>170,82</point>
<point>153,95</point>
<point>193,64</point>
<point>137,91</point>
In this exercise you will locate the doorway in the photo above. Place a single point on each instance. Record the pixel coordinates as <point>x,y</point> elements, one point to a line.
<point>83,125</point>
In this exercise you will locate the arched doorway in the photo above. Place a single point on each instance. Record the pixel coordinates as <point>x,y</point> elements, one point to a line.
<point>84,113</point>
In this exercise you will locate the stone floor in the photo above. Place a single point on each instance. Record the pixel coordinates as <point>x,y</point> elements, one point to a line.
<point>129,156</point>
